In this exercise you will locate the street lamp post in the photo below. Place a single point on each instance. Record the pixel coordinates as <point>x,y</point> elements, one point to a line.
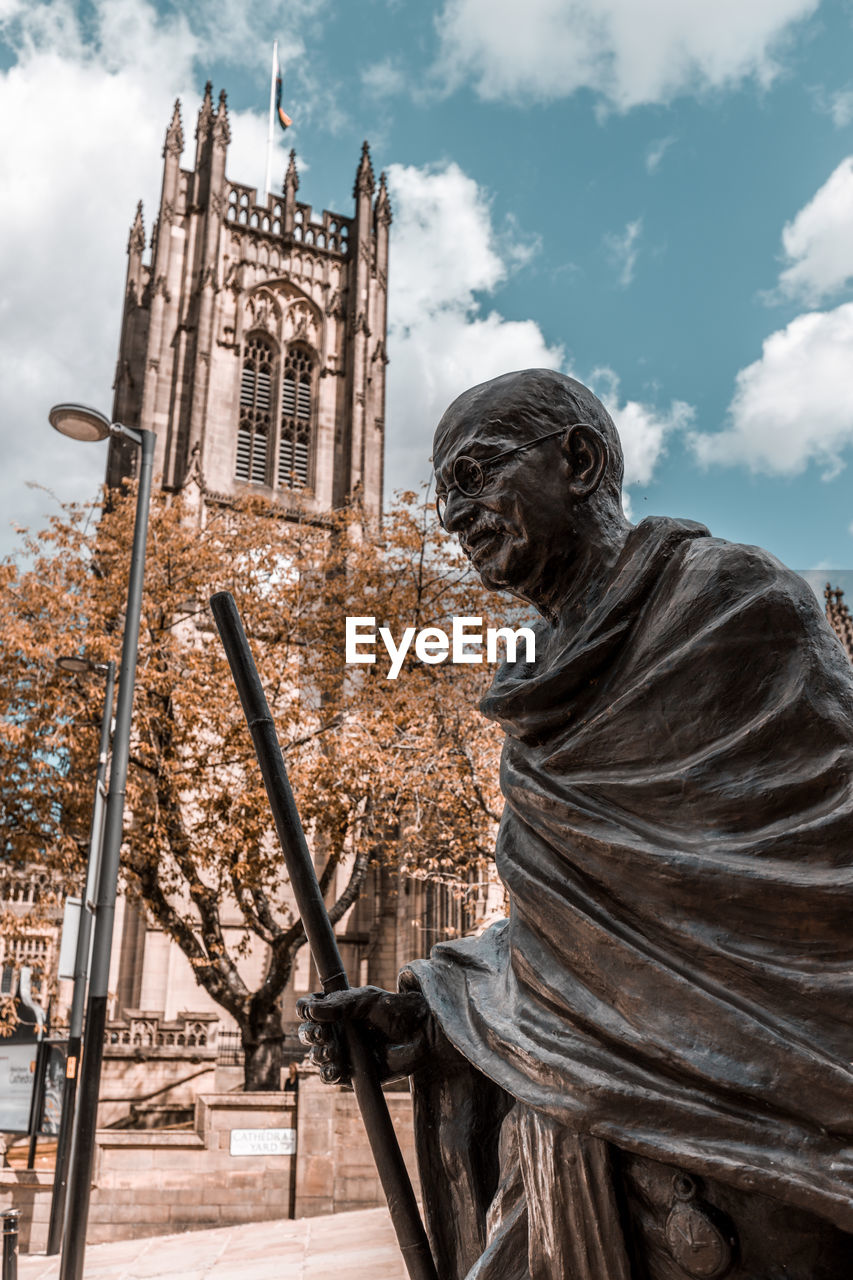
<point>82,423</point>
<point>81,955</point>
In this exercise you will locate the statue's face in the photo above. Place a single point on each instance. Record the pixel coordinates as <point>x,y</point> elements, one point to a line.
<point>511,529</point>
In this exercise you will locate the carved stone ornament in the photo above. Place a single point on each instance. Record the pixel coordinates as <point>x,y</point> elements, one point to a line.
<point>263,312</point>
<point>302,322</point>
<point>234,277</point>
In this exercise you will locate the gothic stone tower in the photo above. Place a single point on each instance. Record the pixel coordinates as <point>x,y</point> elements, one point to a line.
<point>254,342</point>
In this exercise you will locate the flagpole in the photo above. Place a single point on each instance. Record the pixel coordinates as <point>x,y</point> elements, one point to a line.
<point>268,180</point>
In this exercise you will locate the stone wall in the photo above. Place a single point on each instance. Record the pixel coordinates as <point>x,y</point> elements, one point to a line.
<point>150,1183</point>
<point>29,1191</point>
<point>334,1167</point>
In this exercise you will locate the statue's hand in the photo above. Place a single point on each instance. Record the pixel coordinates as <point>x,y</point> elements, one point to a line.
<point>397,1027</point>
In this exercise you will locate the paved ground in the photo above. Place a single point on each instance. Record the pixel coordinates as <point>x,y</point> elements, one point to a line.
<point>345,1246</point>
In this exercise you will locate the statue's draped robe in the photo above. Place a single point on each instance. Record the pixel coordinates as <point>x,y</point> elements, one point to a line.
<point>676,973</point>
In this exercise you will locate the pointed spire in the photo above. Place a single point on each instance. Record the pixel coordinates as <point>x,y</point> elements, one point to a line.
<point>290,188</point>
<point>382,208</point>
<point>839,618</point>
<point>222,129</point>
<point>136,242</point>
<point>291,177</point>
<point>364,180</point>
<point>174,143</point>
<point>205,115</point>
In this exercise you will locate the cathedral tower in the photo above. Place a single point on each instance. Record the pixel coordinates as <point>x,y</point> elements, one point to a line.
<point>253,343</point>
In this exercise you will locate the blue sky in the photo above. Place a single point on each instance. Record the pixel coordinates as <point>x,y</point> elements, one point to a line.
<point>656,196</point>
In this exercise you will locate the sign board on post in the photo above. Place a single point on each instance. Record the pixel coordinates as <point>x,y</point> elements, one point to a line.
<point>263,1142</point>
<point>17,1077</point>
<point>55,1060</point>
<point>68,941</point>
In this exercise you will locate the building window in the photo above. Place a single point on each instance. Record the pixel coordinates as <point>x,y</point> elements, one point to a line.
<point>294,447</point>
<point>253,432</point>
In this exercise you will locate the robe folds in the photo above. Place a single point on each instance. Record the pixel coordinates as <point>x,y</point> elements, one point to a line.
<point>675,976</point>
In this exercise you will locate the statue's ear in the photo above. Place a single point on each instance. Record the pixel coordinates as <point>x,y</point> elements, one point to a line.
<point>587,454</point>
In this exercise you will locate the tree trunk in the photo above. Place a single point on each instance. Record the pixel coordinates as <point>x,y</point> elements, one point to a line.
<point>263,1038</point>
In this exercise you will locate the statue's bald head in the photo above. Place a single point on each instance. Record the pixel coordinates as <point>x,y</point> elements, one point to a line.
<point>532,402</point>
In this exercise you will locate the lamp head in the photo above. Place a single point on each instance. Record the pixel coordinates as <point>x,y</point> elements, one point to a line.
<point>79,664</point>
<point>79,422</point>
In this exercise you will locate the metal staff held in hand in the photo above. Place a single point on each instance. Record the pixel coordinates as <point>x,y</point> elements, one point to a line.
<point>393,1174</point>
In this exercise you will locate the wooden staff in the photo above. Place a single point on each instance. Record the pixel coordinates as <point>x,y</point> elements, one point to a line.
<point>393,1174</point>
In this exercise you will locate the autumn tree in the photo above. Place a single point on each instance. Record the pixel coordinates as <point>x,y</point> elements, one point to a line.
<point>400,769</point>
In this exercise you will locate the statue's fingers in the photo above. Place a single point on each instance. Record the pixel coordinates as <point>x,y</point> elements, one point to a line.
<point>328,1008</point>
<point>332,1074</point>
<point>309,1033</point>
<point>306,1006</point>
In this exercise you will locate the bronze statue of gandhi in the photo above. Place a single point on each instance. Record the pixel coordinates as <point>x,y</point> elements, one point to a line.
<point>645,1071</point>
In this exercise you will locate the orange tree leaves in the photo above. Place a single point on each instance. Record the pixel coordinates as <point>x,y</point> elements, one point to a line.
<point>403,770</point>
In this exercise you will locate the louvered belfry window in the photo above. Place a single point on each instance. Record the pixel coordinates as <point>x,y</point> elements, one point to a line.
<point>253,432</point>
<point>294,447</point>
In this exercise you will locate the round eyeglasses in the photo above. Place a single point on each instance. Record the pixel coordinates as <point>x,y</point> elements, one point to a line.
<point>469,474</point>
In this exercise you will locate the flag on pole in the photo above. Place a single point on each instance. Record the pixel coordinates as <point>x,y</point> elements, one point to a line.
<point>283,119</point>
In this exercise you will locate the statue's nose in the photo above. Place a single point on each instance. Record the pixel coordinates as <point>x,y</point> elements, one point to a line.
<point>459,510</point>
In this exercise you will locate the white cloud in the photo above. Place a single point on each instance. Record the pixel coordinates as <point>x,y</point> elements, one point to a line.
<point>90,103</point>
<point>795,404</point>
<point>841,108</point>
<point>643,429</point>
<point>85,145</point>
<point>818,243</point>
<point>445,251</point>
<point>628,53</point>
<point>622,250</point>
<point>837,104</point>
<point>444,244</point>
<point>656,152</point>
<point>383,79</point>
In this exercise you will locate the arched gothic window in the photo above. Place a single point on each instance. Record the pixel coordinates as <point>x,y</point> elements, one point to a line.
<point>297,394</point>
<point>255,426</point>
